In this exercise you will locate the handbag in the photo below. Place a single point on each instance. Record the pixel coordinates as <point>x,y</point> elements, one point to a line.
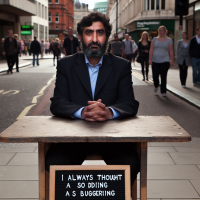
<point>138,59</point>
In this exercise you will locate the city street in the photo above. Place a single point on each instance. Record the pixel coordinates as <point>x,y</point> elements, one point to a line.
<point>170,165</point>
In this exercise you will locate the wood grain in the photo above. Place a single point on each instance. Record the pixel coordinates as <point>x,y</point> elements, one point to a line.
<point>54,129</point>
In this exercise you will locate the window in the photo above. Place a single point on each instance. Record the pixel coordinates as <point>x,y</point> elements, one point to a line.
<point>56,1</point>
<point>148,4</point>
<point>57,17</point>
<point>157,5</point>
<point>49,1</point>
<point>46,16</point>
<point>152,4</point>
<point>145,5</point>
<point>43,13</point>
<point>57,27</point>
<point>163,4</point>
<point>78,16</point>
<point>50,17</point>
<point>39,10</point>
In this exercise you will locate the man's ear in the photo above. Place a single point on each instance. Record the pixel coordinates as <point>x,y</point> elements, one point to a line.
<point>80,38</point>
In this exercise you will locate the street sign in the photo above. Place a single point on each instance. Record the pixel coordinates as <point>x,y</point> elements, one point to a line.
<point>27,27</point>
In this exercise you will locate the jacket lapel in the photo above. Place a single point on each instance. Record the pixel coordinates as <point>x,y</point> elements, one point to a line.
<point>104,73</point>
<point>82,72</point>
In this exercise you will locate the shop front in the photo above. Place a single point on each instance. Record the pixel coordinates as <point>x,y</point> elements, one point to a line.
<point>136,28</point>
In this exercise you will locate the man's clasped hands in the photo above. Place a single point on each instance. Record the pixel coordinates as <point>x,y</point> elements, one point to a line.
<point>96,111</point>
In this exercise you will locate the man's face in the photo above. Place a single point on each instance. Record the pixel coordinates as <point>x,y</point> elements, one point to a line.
<point>70,32</point>
<point>10,34</point>
<point>127,37</point>
<point>116,38</point>
<point>94,40</point>
<point>2,40</point>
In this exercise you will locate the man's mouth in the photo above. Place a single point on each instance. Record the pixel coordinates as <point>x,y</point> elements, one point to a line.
<point>94,47</point>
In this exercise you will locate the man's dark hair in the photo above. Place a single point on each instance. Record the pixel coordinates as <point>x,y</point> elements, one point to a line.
<point>35,37</point>
<point>95,17</point>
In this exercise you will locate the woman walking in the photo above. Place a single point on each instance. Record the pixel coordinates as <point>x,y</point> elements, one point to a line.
<point>183,57</point>
<point>144,47</point>
<point>42,45</point>
<point>134,49</point>
<point>161,52</point>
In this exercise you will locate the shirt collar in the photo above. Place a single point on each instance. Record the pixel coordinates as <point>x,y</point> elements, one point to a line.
<point>88,63</point>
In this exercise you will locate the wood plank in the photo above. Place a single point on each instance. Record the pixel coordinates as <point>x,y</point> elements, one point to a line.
<point>137,129</point>
<point>134,190</point>
<point>41,157</point>
<point>143,171</point>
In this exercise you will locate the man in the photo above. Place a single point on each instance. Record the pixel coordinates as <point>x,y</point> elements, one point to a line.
<point>71,45</point>
<point>127,48</point>
<point>79,94</point>
<point>117,47</point>
<point>10,50</point>
<point>29,47</point>
<point>36,50</point>
<point>18,52</point>
<point>194,51</point>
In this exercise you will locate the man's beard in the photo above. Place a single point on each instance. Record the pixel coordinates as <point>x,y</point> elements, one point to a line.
<point>94,53</point>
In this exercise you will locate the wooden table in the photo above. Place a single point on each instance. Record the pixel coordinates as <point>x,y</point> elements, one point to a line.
<point>142,129</point>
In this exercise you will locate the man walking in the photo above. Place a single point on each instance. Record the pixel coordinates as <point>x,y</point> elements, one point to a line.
<point>10,50</point>
<point>127,48</point>
<point>36,50</point>
<point>18,52</point>
<point>29,47</point>
<point>194,51</point>
<point>117,47</point>
<point>71,44</point>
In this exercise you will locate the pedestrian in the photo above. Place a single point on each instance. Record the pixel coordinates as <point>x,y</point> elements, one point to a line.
<point>183,57</point>
<point>25,47</point>
<point>47,47</point>
<point>61,46</point>
<point>161,52</point>
<point>71,45</point>
<point>42,45</point>
<point>194,51</point>
<point>2,42</point>
<point>22,46</point>
<point>51,47</point>
<point>29,47</point>
<point>36,50</point>
<point>117,47</point>
<point>18,52</point>
<point>10,50</point>
<point>56,50</point>
<point>134,49</point>
<point>144,47</point>
<point>128,48</point>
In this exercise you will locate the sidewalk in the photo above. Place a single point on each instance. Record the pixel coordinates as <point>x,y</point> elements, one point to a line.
<point>23,62</point>
<point>173,171</point>
<point>190,94</point>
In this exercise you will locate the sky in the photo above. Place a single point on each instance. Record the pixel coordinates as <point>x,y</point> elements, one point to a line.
<point>91,2</point>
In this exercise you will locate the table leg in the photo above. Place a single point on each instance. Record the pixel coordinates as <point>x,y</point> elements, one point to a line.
<point>41,156</point>
<point>143,171</point>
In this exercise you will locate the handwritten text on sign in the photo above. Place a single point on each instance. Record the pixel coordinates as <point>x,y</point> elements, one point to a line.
<point>90,184</point>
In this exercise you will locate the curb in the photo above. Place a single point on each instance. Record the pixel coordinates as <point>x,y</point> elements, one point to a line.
<point>191,100</point>
<point>20,66</point>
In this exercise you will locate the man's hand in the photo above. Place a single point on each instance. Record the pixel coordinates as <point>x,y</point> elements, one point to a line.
<point>96,111</point>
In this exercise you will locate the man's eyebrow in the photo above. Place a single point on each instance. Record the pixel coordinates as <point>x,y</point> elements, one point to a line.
<point>93,30</point>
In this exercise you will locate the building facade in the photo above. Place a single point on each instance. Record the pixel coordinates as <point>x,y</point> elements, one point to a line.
<point>136,16</point>
<point>61,17</point>
<point>101,7</point>
<point>80,10</point>
<point>39,22</point>
<point>10,13</point>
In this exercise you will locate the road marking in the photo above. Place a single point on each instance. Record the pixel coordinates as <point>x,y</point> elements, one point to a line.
<point>1,91</point>
<point>34,101</point>
<point>10,91</point>
<point>140,77</point>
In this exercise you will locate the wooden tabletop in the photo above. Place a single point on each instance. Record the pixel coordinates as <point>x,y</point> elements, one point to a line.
<point>54,129</point>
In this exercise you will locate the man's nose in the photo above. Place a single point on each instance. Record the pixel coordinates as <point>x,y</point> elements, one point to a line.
<point>94,38</point>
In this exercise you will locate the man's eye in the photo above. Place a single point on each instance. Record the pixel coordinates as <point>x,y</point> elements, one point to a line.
<point>100,32</point>
<point>88,32</point>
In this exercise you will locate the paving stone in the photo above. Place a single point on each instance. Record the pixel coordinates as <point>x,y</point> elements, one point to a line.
<point>196,184</point>
<point>24,159</point>
<point>188,149</point>
<point>19,189</point>
<point>173,172</point>
<point>169,189</point>
<point>159,159</point>
<point>161,149</point>
<point>5,157</point>
<point>18,173</point>
<point>186,158</point>
<point>27,149</point>
<point>160,144</point>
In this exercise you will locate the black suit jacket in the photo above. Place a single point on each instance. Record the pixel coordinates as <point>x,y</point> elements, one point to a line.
<point>73,89</point>
<point>35,47</point>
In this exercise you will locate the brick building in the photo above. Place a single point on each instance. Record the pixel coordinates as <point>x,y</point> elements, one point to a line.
<point>61,16</point>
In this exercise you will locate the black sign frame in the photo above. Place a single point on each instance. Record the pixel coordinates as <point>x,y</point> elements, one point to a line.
<point>55,168</point>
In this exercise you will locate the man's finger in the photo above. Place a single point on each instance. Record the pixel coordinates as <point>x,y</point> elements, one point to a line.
<point>93,102</point>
